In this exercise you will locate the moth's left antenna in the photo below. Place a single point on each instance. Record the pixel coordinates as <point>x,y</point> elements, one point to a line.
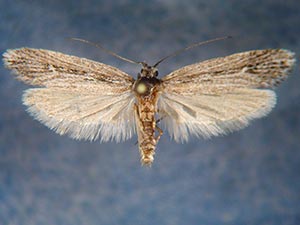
<point>189,47</point>
<point>106,50</point>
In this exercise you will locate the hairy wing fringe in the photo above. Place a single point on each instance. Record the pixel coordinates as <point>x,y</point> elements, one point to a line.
<point>213,115</point>
<point>80,116</point>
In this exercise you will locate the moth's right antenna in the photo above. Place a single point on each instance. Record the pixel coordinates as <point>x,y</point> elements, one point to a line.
<point>106,50</point>
<point>189,47</point>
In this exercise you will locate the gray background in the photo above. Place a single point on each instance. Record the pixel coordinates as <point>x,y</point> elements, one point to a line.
<point>247,177</point>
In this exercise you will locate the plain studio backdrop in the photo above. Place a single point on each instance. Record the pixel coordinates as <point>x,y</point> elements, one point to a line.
<point>246,177</point>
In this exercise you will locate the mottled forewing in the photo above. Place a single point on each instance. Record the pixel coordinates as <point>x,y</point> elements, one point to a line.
<point>46,68</point>
<point>222,94</point>
<point>79,97</point>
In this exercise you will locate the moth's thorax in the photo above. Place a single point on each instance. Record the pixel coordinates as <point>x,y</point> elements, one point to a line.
<point>147,81</point>
<point>146,86</point>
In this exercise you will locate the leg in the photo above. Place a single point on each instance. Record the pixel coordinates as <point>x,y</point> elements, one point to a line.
<point>161,114</point>
<point>160,133</point>
<point>160,119</point>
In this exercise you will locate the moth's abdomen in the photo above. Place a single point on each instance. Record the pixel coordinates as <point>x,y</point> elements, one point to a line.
<point>146,126</point>
<point>148,142</point>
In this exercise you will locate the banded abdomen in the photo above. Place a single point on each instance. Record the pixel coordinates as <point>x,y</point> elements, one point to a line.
<point>146,125</point>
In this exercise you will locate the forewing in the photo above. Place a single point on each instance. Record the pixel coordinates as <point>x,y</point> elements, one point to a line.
<point>46,68</point>
<point>222,94</point>
<point>78,97</point>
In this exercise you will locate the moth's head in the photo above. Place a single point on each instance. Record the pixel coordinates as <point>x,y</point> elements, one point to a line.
<point>148,71</point>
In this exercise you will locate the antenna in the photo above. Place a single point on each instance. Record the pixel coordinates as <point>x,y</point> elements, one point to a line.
<point>106,50</point>
<point>189,47</point>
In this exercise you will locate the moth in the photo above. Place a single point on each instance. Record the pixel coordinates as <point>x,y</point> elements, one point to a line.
<point>91,100</point>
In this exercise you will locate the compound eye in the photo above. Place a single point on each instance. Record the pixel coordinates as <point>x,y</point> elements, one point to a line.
<point>156,73</point>
<point>141,88</point>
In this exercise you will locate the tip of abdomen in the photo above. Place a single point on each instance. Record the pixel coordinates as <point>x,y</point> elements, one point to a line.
<point>147,157</point>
